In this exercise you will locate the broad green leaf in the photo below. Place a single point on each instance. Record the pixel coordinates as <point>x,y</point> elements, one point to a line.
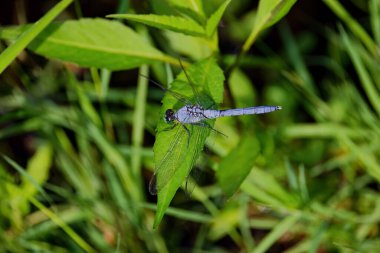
<point>235,167</point>
<point>12,51</point>
<point>269,12</point>
<point>213,21</point>
<point>96,43</point>
<point>207,78</point>
<point>172,23</point>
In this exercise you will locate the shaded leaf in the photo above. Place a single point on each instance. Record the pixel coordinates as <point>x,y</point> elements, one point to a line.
<point>195,5</point>
<point>235,167</point>
<point>192,9</point>
<point>173,23</point>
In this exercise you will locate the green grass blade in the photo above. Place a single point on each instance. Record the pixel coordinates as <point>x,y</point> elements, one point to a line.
<point>352,24</point>
<point>172,23</point>
<point>12,51</point>
<point>28,180</point>
<point>68,230</point>
<point>366,81</point>
<point>374,7</point>
<point>276,233</point>
<point>139,122</point>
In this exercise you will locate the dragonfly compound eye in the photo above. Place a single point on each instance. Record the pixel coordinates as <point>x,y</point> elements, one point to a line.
<point>169,116</point>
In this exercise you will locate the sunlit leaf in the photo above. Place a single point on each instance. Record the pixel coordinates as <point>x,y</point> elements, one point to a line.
<point>96,43</point>
<point>208,80</point>
<point>213,21</point>
<point>269,12</point>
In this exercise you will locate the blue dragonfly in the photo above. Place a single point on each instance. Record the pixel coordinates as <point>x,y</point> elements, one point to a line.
<point>197,111</point>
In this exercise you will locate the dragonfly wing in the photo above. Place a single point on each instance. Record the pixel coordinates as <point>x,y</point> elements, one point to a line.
<point>179,97</point>
<point>198,138</point>
<point>171,160</point>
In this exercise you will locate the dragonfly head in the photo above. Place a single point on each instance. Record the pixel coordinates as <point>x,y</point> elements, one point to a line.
<point>169,116</point>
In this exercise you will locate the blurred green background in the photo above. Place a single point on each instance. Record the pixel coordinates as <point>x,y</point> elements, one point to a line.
<point>76,142</point>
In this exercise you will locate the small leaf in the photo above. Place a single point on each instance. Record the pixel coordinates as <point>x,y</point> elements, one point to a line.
<point>236,166</point>
<point>195,5</point>
<point>38,169</point>
<point>208,79</point>
<point>269,12</point>
<point>213,21</point>
<point>96,43</point>
<point>225,221</point>
<point>173,23</point>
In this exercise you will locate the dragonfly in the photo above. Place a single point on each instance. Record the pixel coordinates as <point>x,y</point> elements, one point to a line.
<point>193,112</point>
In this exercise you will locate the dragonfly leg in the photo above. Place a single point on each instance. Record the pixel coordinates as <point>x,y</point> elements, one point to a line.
<point>168,128</point>
<point>205,124</point>
<point>188,134</point>
<point>153,185</point>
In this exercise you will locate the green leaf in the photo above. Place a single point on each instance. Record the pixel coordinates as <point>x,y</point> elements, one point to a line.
<point>173,23</point>
<point>213,21</point>
<point>38,169</point>
<point>269,12</point>
<point>97,43</point>
<point>235,167</point>
<point>12,51</point>
<point>208,79</point>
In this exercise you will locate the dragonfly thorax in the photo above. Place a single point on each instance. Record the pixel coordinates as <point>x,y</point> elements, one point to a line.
<point>190,114</point>
<point>169,116</point>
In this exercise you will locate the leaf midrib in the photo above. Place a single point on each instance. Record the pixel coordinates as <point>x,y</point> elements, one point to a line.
<point>155,54</point>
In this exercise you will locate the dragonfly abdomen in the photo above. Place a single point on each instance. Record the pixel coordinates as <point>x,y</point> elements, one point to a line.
<point>249,110</point>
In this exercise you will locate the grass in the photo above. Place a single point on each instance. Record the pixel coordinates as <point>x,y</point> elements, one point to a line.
<point>77,129</point>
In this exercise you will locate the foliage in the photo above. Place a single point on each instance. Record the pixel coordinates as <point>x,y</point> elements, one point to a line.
<point>80,136</point>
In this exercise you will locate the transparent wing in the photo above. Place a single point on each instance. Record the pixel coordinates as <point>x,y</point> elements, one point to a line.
<point>198,138</point>
<point>172,159</point>
<point>190,82</point>
<point>179,97</point>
